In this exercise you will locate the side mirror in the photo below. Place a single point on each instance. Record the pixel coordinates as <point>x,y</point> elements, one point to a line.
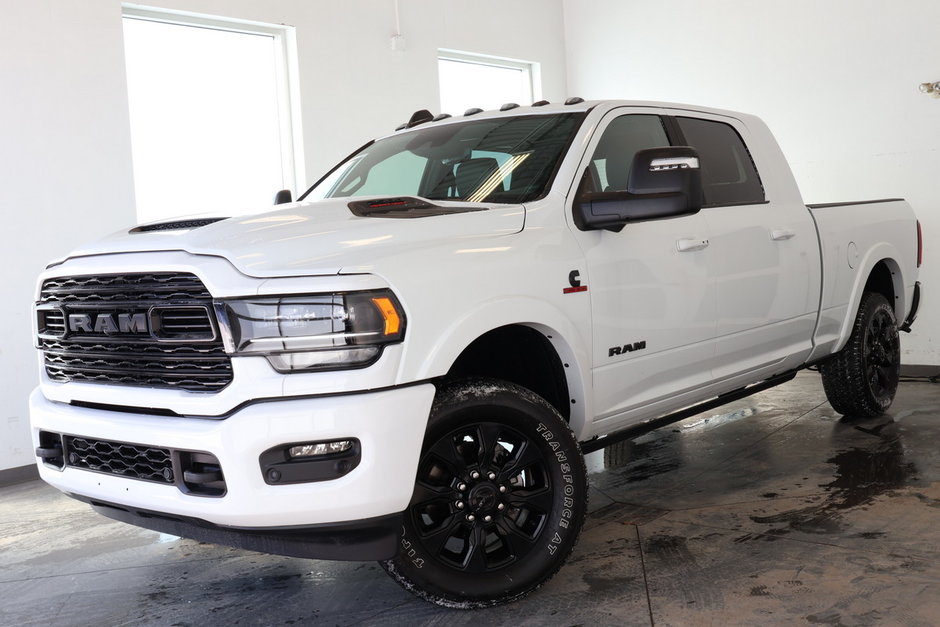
<point>664,183</point>
<point>283,197</point>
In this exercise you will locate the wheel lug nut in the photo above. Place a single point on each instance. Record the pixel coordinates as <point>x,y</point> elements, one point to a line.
<point>474,475</point>
<point>488,518</point>
<point>471,517</point>
<point>501,506</point>
<point>459,504</point>
<point>502,489</point>
<point>461,486</point>
<point>491,476</point>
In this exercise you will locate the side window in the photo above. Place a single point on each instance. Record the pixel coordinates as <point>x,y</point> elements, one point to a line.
<point>623,137</point>
<point>728,173</point>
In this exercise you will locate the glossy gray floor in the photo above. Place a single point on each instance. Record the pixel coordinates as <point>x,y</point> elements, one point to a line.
<point>768,511</point>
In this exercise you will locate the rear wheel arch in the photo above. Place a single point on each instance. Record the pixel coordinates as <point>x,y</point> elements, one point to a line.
<point>885,279</point>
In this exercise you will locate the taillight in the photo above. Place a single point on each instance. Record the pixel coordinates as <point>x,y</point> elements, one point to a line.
<point>920,245</point>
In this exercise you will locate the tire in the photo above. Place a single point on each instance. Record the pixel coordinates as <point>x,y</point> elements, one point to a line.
<point>862,379</point>
<point>499,501</point>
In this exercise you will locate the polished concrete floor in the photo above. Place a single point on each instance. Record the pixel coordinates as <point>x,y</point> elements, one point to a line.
<point>769,511</point>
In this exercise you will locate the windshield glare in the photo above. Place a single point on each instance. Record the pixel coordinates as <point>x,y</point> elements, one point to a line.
<point>502,160</point>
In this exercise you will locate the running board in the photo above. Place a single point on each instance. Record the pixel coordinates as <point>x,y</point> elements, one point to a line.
<point>597,444</point>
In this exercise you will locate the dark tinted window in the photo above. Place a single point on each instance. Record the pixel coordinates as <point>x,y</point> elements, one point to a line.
<point>622,139</point>
<point>728,173</point>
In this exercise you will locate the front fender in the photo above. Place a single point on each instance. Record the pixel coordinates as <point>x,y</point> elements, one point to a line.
<point>458,333</point>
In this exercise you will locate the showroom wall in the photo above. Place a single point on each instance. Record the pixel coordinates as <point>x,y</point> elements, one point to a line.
<point>837,82</point>
<point>65,170</point>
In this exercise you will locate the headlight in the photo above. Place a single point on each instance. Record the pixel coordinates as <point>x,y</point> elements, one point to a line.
<point>317,332</point>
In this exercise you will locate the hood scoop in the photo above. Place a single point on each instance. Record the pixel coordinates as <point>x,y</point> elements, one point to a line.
<point>176,225</point>
<point>405,207</point>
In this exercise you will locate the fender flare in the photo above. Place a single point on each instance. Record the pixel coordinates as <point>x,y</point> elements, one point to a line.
<point>888,254</point>
<point>563,334</point>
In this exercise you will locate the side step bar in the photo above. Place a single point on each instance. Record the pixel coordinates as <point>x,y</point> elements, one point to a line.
<point>597,444</point>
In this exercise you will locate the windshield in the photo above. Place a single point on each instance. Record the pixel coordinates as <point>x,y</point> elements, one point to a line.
<point>501,160</point>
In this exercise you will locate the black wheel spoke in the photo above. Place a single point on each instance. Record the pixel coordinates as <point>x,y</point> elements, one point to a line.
<point>425,494</point>
<point>488,437</point>
<point>476,560</point>
<point>435,540</point>
<point>540,500</point>
<point>527,455</point>
<point>445,451</point>
<point>517,541</point>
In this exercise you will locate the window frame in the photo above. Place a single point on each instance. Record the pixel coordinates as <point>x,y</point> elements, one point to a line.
<point>287,75</point>
<point>532,69</point>
<point>676,135</point>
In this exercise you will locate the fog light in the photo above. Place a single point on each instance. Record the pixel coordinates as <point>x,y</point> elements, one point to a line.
<point>306,462</point>
<point>316,449</point>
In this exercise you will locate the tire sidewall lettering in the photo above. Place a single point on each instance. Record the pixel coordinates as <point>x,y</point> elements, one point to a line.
<point>566,512</point>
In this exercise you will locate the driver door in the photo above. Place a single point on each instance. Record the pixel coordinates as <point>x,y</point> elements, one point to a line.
<point>653,301</point>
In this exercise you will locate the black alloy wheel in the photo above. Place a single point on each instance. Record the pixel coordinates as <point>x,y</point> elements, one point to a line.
<point>499,499</point>
<point>882,348</point>
<point>862,379</point>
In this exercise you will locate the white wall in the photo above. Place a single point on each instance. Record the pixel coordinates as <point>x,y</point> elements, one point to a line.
<point>354,87</point>
<point>65,169</point>
<point>837,82</point>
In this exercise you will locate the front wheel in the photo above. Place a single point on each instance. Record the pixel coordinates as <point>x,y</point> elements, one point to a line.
<point>862,379</point>
<point>500,497</point>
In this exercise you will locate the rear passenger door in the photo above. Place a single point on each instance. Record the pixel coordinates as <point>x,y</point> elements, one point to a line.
<point>764,256</point>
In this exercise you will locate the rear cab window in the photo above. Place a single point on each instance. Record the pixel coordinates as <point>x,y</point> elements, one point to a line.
<point>729,176</point>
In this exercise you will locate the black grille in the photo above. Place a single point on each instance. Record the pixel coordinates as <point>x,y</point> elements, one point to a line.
<point>134,461</point>
<point>152,330</point>
<point>159,287</point>
<point>52,322</point>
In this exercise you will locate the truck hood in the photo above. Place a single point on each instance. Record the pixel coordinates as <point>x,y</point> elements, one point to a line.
<point>319,238</point>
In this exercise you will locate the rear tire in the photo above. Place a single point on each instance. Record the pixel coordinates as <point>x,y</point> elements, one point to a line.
<point>499,501</point>
<point>862,379</point>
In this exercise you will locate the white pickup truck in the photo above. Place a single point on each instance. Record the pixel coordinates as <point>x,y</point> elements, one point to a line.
<point>408,363</point>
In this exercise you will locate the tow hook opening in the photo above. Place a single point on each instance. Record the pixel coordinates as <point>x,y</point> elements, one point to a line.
<point>50,450</point>
<point>201,474</point>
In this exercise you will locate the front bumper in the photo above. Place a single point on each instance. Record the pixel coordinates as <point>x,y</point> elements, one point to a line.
<point>364,540</point>
<point>389,425</point>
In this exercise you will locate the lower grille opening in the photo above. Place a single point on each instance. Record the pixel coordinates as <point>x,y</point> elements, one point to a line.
<point>191,472</point>
<point>120,458</point>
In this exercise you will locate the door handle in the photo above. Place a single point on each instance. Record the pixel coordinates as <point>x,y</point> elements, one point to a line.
<point>690,244</point>
<point>778,235</point>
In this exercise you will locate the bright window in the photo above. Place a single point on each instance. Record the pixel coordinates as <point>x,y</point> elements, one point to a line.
<point>469,81</point>
<point>212,118</point>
